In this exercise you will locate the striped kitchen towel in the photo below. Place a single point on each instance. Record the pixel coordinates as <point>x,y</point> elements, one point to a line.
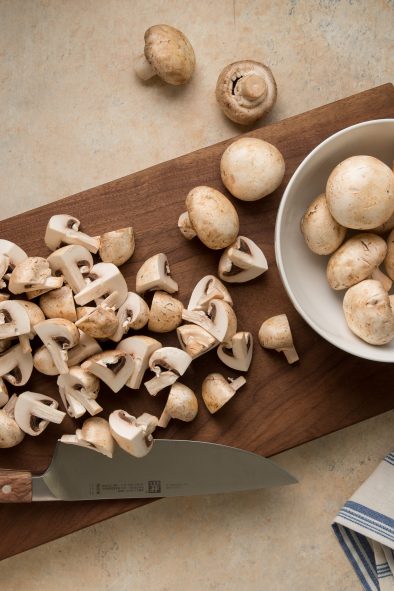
<point>365,529</point>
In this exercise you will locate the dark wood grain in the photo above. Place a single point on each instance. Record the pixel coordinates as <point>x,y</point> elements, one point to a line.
<point>15,486</point>
<point>281,406</point>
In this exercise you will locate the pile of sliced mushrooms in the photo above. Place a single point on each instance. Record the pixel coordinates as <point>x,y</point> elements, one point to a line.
<point>80,303</point>
<point>359,196</point>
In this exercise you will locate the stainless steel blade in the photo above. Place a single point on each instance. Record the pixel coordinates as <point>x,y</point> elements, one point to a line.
<point>173,468</point>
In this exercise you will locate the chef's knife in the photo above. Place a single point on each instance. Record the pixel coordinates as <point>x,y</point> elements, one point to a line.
<point>172,468</point>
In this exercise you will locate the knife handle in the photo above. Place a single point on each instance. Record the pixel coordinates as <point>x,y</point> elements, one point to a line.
<point>15,486</point>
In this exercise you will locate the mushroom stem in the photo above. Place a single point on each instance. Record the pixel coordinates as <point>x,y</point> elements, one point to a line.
<point>378,275</point>
<point>46,412</point>
<point>290,354</point>
<point>142,68</point>
<point>165,418</point>
<point>237,383</point>
<point>252,87</point>
<point>185,226</point>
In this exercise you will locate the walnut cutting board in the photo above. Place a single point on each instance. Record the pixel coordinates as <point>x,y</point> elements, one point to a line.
<point>281,406</point>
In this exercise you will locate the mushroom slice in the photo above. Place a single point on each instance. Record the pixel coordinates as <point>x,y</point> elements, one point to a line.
<point>34,412</point>
<point>58,335</point>
<point>10,433</point>
<point>238,353</point>
<point>165,313</point>
<point>132,314</point>
<point>99,323</point>
<point>87,347</point>
<point>113,368</point>
<point>220,320</point>
<point>140,348</point>
<point>15,322</point>
<point>155,274</point>
<point>207,289</point>
<point>133,435</point>
<point>117,246</point>
<point>31,274</point>
<point>74,263</point>
<point>106,280</point>
<point>195,340</point>
<point>3,393</point>
<point>275,334</point>
<point>4,264</point>
<point>59,303</point>
<point>217,391</point>
<point>16,365</point>
<point>174,361</point>
<point>95,434</point>
<point>14,253</point>
<point>35,314</point>
<point>181,404</point>
<point>242,261</point>
<point>81,386</point>
<point>64,229</point>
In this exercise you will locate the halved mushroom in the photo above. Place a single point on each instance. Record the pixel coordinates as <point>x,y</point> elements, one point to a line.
<point>181,404</point>
<point>74,262</point>
<point>64,229</point>
<point>95,434</point>
<point>174,361</point>
<point>33,274</point>
<point>389,259</point>
<point>81,386</point>
<point>165,313</point>
<point>3,393</point>
<point>15,322</point>
<point>155,274</point>
<point>87,347</point>
<point>105,280</point>
<point>220,320</point>
<point>217,391</point>
<point>238,353</point>
<point>59,303</point>
<point>242,261</point>
<point>117,246</point>
<point>16,365</point>
<point>100,322</point>
<point>132,314</point>
<point>195,340</point>
<point>322,233</point>
<point>34,412</point>
<point>58,335</point>
<point>113,368</point>
<point>207,289</point>
<point>275,334</point>
<point>133,435</point>
<point>10,433</point>
<point>140,348</point>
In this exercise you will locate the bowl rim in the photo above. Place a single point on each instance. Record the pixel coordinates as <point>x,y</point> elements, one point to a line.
<point>278,224</point>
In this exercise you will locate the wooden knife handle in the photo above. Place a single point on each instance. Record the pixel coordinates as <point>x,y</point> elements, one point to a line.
<point>15,487</point>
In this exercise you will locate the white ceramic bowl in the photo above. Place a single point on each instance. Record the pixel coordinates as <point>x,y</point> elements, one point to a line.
<point>302,271</point>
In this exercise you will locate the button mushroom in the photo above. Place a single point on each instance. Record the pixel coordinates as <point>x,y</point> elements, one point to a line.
<point>245,91</point>
<point>74,262</point>
<point>242,261</point>
<point>173,360</point>
<point>211,217</point>
<point>238,353</point>
<point>133,435</point>
<point>389,259</point>
<point>220,320</point>
<point>181,404</point>
<point>155,274</point>
<point>95,435</point>
<point>167,54</point>
<point>100,322</point>
<point>113,368</point>
<point>368,312</point>
<point>132,314</point>
<point>275,334</point>
<point>360,192</point>
<point>117,246</point>
<point>165,313</point>
<point>105,280</point>
<point>34,412</point>
<point>59,303</point>
<point>10,432</point>
<point>322,233</point>
<point>64,229</point>
<point>81,386</point>
<point>251,169</point>
<point>58,335</point>
<point>16,365</point>
<point>33,274</point>
<point>140,348</point>
<point>207,289</point>
<point>195,340</point>
<point>217,391</point>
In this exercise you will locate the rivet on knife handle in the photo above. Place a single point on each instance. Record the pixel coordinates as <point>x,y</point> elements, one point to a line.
<point>15,486</point>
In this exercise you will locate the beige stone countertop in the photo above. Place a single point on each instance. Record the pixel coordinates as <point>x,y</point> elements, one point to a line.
<point>73,116</point>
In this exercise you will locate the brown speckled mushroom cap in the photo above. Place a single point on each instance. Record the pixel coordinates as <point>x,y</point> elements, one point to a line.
<point>246,91</point>
<point>170,54</point>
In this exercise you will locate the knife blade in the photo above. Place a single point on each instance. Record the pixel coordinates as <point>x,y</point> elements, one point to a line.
<point>172,468</point>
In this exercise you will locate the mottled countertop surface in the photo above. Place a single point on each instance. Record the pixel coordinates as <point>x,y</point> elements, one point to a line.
<point>74,116</point>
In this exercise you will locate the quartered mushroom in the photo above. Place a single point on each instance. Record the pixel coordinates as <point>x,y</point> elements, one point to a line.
<point>117,246</point>
<point>182,404</point>
<point>217,391</point>
<point>79,386</point>
<point>114,368</point>
<point>34,412</point>
<point>275,334</point>
<point>74,262</point>
<point>133,435</point>
<point>13,252</point>
<point>95,435</point>
<point>58,335</point>
<point>220,320</point>
<point>238,353</point>
<point>140,348</point>
<point>173,361</point>
<point>4,397</point>
<point>32,274</point>
<point>155,274</point>
<point>242,261</point>
<point>207,289</point>
<point>15,322</point>
<point>195,340</point>
<point>35,314</point>
<point>10,432</point>
<point>64,229</point>
<point>165,312</point>
<point>132,314</point>
<point>16,365</point>
<point>87,347</point>
<point>322,233</point>
<point>100,322</point>
<point>59,303</point>
<point>105,280</point>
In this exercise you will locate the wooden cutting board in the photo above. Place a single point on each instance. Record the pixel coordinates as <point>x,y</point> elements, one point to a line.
<point>281,406</point>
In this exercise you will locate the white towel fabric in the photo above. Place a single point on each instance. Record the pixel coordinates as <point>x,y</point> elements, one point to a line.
<point>365,529</point>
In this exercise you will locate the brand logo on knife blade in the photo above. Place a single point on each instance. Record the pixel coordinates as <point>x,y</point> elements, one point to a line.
<point>154,486</point>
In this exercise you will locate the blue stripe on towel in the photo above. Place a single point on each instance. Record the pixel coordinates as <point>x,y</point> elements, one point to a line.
<point>360,521</point>
<point>338,530</point>
<point>369,565</point>
<point>363,510</point>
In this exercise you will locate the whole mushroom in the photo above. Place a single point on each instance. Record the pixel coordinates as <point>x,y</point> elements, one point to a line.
<point>322,233</point>
<point>275,333</point>
<point>181,404</point>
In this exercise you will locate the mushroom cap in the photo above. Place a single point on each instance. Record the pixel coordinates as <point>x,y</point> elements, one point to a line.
<point>96,431</point>
<point>275,333</point>
<point>360,192</point>
<point>217,391</point>
<point>251,168</point>
<point>170,54</point>
<point>10,432</point>
<point>238,105</point>
<point>213,217</point>
<point>117,246</point>
<point>182,404</point>
<point>322,233</point>
<point>368,312</point>
<point>389,260</point>
<point>355,260</point>
<point>59,303</point>
<point>100,323</point>
<point>165,313</point>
